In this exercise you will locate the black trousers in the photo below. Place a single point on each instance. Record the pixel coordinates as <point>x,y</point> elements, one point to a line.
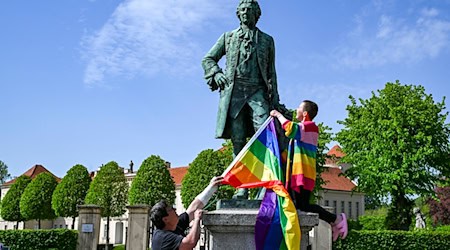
<point>302,203</point>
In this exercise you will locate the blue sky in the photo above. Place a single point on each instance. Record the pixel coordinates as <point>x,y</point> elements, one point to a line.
<point>88,82</point>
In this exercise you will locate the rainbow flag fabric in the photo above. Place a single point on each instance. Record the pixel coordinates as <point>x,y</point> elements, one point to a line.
<point>258,165</point>
<point>303,144</point>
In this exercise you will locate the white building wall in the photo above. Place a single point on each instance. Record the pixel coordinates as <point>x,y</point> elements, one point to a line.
<point>352,204</point>
<point>178,203</point>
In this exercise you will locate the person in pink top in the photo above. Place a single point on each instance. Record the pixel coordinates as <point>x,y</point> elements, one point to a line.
<point>304,138</point>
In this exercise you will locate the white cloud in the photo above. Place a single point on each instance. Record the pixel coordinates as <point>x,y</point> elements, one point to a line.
<point>395,40</point>
<point>148,37</point>
<point>430,12</point>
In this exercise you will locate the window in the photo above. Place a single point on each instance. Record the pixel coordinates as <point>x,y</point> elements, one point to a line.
<point>6,227</point>
<point>357,210</point>
<point>342,207</point>
<point>15,227</point>
<point>335,207</point>
<point>104,234</point>
<point>327,203</point>
<point>350,209</point>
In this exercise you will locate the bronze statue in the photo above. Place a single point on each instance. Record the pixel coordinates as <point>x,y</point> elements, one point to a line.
<point>248,86</point>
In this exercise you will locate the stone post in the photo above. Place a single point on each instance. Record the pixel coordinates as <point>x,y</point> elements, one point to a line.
<point>307,222</point>
<point>88,226</point>
<point>138,224</point>
<point>235,228</point>
<point>322,234</point>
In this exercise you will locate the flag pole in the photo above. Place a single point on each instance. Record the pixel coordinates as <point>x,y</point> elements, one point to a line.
<point>245,148</point>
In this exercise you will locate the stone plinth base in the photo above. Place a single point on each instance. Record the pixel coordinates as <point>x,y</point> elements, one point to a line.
<point>235,229</point>
<point>88,227</point>
<point>238,204</point>
<point>138,224</point>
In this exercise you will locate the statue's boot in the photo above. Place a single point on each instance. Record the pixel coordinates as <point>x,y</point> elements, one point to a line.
<point>260,194</point>
<point>242,194</point>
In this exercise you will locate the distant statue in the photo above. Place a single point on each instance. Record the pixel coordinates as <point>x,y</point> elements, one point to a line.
<point>420,221</point>
<point>248,86</point>
<point>131,166</point>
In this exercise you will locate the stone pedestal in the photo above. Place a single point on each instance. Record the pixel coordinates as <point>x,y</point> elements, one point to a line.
<point>235,229</point>
<point>88,226</point>
<point>138,224</point>
<point>307,222</point>
<point>321,235</point>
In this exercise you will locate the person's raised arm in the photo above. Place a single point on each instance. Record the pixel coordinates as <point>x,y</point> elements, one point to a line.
<point>279,116</point>
<point>190,241</point>
<point>202,199</point>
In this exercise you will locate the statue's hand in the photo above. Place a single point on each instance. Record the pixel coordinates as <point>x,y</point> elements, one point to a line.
<point>213,86</point>
<point>284,111</point>
<point>221,80</point>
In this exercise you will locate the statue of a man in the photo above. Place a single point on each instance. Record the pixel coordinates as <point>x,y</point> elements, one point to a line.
<point>420,221</point>
<point>248,86</point>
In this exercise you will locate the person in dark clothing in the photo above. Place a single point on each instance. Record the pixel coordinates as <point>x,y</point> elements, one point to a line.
<point>170,228</point>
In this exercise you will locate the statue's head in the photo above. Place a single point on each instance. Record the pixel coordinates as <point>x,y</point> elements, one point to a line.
<point>248,12</point>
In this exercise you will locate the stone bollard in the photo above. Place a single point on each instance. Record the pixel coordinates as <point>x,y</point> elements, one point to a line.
<point>88,226</point>
<point>138,224</point>
<point>235,228</point>
<point>307,222</point>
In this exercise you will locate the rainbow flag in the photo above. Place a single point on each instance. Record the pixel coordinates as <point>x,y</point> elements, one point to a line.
<point>258,165</point>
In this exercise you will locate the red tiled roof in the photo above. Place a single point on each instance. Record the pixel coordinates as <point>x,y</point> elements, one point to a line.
<point>178,174</point>
<point>334,180</point>
<point>336,151</point>
<point>32,173</point>
<point>335,154</point>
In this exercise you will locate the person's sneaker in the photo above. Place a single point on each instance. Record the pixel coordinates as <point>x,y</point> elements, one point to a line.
<point>342,226</point>
<point>335,232</point>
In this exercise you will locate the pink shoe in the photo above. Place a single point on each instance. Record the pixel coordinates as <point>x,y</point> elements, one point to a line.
<point>342,227</point>
<point>335,231</point>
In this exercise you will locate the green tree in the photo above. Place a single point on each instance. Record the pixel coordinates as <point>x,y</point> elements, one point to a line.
<point>36,200</point>
<point>4,175</point>
<point>109,190</point>
<point>71,192</point>
<point>206,165</point>
<point>325,137</point>
<point>152,183</point>
<point>11,202</point>
<point>398,144</point>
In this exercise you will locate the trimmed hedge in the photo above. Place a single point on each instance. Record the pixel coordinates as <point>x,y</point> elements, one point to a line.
<point>61,239</point>
<point>411,240</point>
<point>445,228</point>
<point>372,222</point>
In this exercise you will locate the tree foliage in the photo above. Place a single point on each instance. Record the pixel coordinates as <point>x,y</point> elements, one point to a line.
<point>152,183</point>
<point>4,175</point>
<point>11,202</point>
<point>109,190</point>
<point>71,192</point>
<point>325,137</point>
<point>206,165</point>
<point>36,200</point>
<point>398,144</point>
<point>440,207</point>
